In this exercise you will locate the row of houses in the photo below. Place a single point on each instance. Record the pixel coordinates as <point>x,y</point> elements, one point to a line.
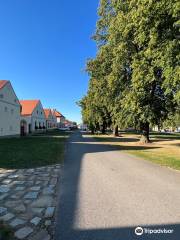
<point>21,117</point>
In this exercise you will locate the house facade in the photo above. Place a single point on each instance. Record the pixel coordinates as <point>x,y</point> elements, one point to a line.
<point>9,110</point>
<point>50,120</point>
<point>32,116</point>
<point>60,119</point>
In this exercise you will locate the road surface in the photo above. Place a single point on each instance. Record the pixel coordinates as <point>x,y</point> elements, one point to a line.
<point>105,194</point>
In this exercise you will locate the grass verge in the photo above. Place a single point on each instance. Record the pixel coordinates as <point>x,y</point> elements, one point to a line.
<point>33,151</point>
<point>164,149</point>
<point>159,158</point>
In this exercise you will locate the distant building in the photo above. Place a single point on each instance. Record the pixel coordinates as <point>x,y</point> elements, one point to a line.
<point>50,120</point>
<point>70,124</point>
<point>60,119</point>
<point>67,123</point>
<point>32,116</point>
<point>9,110</point>
<point>83,126</point>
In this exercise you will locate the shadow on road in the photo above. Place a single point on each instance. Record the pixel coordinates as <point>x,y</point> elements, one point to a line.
<point>127,233</point>
<point>65,230</point>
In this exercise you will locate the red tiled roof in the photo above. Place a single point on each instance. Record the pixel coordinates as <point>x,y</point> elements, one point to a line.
<point>3,83</point>
<point>28,106</point>
<point>47,112</point>
<point>57,114</point>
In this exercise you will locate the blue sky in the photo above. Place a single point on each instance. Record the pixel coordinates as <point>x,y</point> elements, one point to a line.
<point>44,45</point>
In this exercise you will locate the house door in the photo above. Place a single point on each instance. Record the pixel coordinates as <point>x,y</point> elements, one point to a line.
<point>29,128</point>
<point>23,128</point>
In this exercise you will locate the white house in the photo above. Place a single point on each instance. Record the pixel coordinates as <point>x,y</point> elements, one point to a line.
<point>9,110</point>
<point>50,121</point>
<point>60,119</point>
<point>32,116</point>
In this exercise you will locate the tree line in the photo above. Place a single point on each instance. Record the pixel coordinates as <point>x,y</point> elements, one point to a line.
<point>134,78</point>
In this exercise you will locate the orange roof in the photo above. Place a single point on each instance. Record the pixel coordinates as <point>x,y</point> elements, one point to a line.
<point>28,106</point>
<point>58,114</point>
<point>3,83</point>
<point>47,112</point>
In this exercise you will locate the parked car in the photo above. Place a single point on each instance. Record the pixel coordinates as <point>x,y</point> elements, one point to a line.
<point>65,129</point>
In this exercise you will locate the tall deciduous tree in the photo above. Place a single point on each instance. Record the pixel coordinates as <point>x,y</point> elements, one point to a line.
<point>135,75</point>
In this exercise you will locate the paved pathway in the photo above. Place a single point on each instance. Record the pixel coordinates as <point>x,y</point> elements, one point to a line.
<point>106,193</point>
<point>28,199</point>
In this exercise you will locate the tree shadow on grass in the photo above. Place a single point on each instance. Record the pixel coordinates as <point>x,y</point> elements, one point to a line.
<point>176,144</point>
<point>108,138</point>
<point>118,139</point>
<point>154,137</point>
<point>155,140</point>
<point>165,136</point>
<point>69,199</point>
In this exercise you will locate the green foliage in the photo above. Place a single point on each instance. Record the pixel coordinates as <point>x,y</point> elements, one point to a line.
<point>173,121</point>
<point>30,152</point>
<point>134,79</point>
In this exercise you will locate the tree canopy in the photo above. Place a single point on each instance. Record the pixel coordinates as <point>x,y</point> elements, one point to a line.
<point>134,78</point>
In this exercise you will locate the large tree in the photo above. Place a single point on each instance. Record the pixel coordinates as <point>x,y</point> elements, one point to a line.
<point>137,64</point>
<point>144,36</point>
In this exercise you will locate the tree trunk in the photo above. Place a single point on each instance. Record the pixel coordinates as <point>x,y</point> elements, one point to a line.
<point>116,133</point>
<point>103,130</point>
<point>92,131</point>
<point>159,128</point>
<point>145,133</point>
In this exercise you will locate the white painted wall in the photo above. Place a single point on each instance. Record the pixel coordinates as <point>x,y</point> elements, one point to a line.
<point>37,117</point>
<point>9,111</point>
<point>50,121</point>
<point>54,120</point>
<point>60,121</point>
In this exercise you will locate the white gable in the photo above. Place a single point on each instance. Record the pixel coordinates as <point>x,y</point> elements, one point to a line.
<point>8,95</point>
<point>39,111</point>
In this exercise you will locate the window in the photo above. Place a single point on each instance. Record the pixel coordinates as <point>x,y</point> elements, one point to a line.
<point>1,96</point>
<point>5,109</point>
<point>12,111</point>
<point>37,112</point>
<point>15,100</point>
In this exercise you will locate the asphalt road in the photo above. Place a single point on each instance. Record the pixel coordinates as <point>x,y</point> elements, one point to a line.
<point>105,194</point>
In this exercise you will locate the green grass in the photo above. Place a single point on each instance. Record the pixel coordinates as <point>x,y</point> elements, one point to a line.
<point>168,136</point>
<point>34,151</point>
<point>159,158</point>
<point>164,149</point>
<point>54,132</point>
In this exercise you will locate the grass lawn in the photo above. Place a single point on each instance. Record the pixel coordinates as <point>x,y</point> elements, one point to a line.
<point>164,149</point>
<point>33,151</point>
